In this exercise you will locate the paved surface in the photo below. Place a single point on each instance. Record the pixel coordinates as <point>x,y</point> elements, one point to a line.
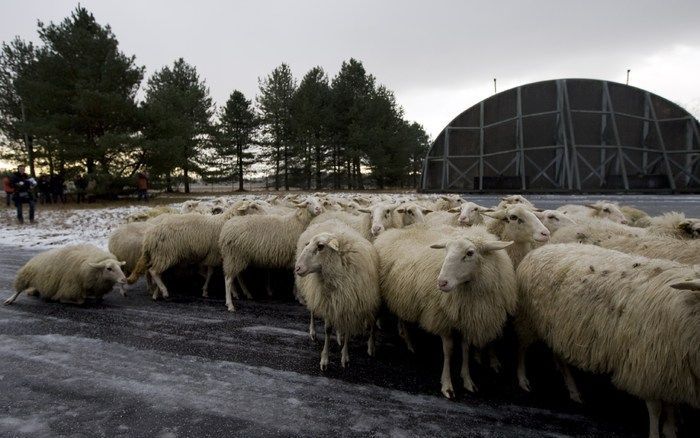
<point>132,367</point>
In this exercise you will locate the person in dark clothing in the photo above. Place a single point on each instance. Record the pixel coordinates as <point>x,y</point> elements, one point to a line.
<point>80,187</point>
<point>44,188</point>
<point>23,184</point>
<point>142,186</point>
<point>58,188</point>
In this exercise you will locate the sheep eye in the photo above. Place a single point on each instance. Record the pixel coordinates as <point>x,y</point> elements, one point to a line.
<point>554,218</point>
<point>607,210</point>
<point>109,269</point>
<point>514,218</point>
<point>321,246</point>
<point>410,212</point>
<point>470,253</point>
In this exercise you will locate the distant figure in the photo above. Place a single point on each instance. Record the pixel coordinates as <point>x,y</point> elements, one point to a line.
<point>44,188</point>
<point>58,188</point>
<point>80,186</point>
<point>142,186</point>
<point>23,184</point>
<point>9,190</point>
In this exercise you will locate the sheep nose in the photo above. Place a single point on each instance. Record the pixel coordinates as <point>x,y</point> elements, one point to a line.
<point>442,283</point>
<point>623,222</point>
<point>297,269</point>
<point>377,229</point>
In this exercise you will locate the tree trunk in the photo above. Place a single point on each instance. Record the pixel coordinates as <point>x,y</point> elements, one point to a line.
<point>349,172</point>
<point>318,166</point>
<point>28,142</point>
<point>90,166</point>
<point>358,171</point>
<point>240,167</point>
<point>186,170</point>
<point>286,166</point>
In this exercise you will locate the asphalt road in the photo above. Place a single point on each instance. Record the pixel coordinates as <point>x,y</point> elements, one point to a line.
<point>186,367</point>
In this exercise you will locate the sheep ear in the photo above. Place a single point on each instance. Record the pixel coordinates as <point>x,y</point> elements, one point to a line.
<point>440,245</point>
<point>364,210</point>
<point>593,206</point>
<point>687,285</point>
<point>484,209</point>
<point>500,214</point>
<point>427,210</point>
<point>454,210</point>
<point>446,198</point>
<point>302,205</point>
<point>96,265</point>
<point>122,263</point>
<point>333,244</point>
<point>686,225</point>
<point>495,245</point>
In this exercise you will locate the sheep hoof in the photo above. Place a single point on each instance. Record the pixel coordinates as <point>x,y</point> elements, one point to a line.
<point>230,308</point>
<point>205,294</point>
<point>524,384</point>
<point>470,386</point>
<point>449,393</point>
<point>8,301</point>
<point>344,363</point>
<point>324,364</point>
<point>370,350</point>
<point>575,397</point>
<point>312,335</point>
<point>496,365</point>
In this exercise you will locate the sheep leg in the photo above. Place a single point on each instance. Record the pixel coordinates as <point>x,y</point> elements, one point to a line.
<point>654,408</point>
<point>494,362</point>
<point>339,338</point>
<point>149,282</point>
<point>159,282</point>
<point>669,427</point>
<point>28,291</point>
<point>371,343</point>
<point>569,381</point>
<point>205,288</point>
<point>268,286</point>
<point>403,332</point>
<point>466,376</point>
<point>326,343</point>
<point>345,355</point>
<point>312,327</point>
<point>523,382</point>
<point>244,289</point>
<point>446,378</point>
<point>230,290</point>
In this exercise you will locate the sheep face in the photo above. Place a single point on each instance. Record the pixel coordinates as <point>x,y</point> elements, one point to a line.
<point>381,217</point>
<point>553,219</point>
<point>410,213</point>
<point>515,199</point>
<point>109,271</point>
<point>521,224</point>
<point>321,247</point>
<point>331,205</point>
<point>691,228</point>
<point>462,261</point>
<point>470,213</point>
<point>609,211</point>
<point>313,205</point>
<point>251,207</point>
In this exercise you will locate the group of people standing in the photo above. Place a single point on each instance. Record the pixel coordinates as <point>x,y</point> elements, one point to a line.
<point>21,188</point>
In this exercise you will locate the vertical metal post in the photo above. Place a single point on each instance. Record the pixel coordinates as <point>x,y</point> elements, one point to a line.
<point>445,152</point>
<point>562,135</point>
<point>645,135</point>
<point>620,153</point>
<point>520,140</point>
<point>481,145</point>
<point>574,152</point>
<point>669,172</point>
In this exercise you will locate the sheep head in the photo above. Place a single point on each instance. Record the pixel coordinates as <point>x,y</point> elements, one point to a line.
<point>608,210</point>
<point>381,217</point>
<point>315,253</point>
<point>690,227</point>
<point>461,264</point>
<point>411,213</point>
<point>521,224</point>
<point>109,270</point>
<point>470,213</point>
<point>553,219</point>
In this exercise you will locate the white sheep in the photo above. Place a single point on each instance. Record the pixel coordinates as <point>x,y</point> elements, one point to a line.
<point>266,241</point>
<point>381,217</point>
<point>635,217</point>
<point>69,274</point>
<point>186,238</point>
<point>599,209</point>
<point>470,287</point>
<point>554,219</point>
<point>336,274</point>
<point>676,225</point>
<point>514,200</point>
<point>519,224</point>
<point>603,311</point>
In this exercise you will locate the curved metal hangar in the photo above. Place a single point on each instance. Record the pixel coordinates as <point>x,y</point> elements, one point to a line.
<point>577,135</point>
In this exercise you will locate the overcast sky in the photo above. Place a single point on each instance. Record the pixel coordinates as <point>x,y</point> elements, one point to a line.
<point>439,57</point>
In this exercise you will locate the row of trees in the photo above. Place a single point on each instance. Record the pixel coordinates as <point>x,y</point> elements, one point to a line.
<point>70,105</point>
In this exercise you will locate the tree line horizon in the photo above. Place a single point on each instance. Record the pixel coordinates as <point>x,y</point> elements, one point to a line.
<point>70,104</point>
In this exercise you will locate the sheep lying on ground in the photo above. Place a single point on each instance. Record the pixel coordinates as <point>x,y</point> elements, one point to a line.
<point>265,241</point>
<point>635,217</point>
<point>186,238</point>
<point>675,225</point>
<point>607,312</point>
<point>631,240</point>
<point>69,274</point>
<point>150,213</point>
<point>600,209</point>
<point>470,287</point>
<point>519,224</point>
<point>336,274</point>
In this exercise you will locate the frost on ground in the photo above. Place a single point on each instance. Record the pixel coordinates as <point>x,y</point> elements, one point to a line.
<point>65,226</point>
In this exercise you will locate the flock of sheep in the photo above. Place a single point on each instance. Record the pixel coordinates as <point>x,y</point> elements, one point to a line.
<point>609,289</point>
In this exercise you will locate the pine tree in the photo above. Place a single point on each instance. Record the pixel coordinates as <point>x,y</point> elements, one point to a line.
<point>310,112</point>
<point>178,111</point>
<point>274,101</point>
<point>235,135</point>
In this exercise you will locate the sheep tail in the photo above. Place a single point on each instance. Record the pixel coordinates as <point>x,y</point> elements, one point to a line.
<point>139,269</point>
